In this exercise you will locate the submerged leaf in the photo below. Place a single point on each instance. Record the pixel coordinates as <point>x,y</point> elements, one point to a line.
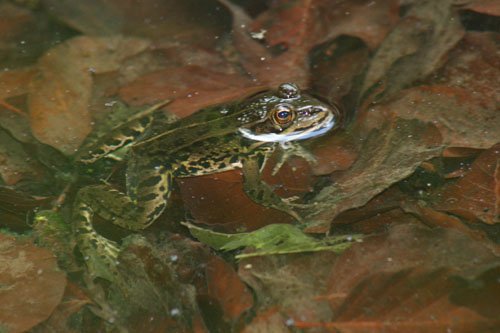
<point>404,279</point>
<point>291,29</point>
<point>417,46</point>
<point>224,285</point>
<point>388,155</point>
<point>476,196</point>
<point>15,162</point>
<point>461,99</point>
<point>59,95</point>
<point>31,284</point>
<point>272,239</point>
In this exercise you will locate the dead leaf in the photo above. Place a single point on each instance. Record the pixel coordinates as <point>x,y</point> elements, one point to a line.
<point>60,93</point>
<point>225,286</point>
<point>270,321</point>
<point>154,289</point>
<point>192,88</point>
<point>220,200</point>
<point>484,7</point>
<point>480,293</point>
<point>165,22</point>
<point>15,82</point>
<point>13,19</point>
<point>308,23</point>
<point>74,299</point>
<point>476,196</point>
<point>413,300</point>
<point>416,47</point>
<point>335,152</point>
<point>32,284</point>
<point>296,28</point>
<point>336,69</point>
<point>388,155</point>
<point>403,278</point>
<point>16,163</point>
<point>465,89</point>
<point>293,283</point>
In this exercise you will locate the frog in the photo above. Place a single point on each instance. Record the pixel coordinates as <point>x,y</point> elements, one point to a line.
<point>235,135</point>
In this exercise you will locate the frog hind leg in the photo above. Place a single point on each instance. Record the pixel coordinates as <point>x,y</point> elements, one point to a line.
<point>261,192</point>
<point>100,254</point>
<point>131,213</point>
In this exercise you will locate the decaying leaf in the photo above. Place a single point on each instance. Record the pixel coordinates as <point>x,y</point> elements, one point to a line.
<point>416,47</point>
<point>424,85</point>
<point>59,94</point>
<point>166,22</point>
<point>388,155</point>
<point>461,100</point>
<point>32,284</point>
<point>271,239</point>
<point>290,287</point>
<point>224,284</point>
<point>295,28</point>
<point>406,277</point>
<point>476,196</point>
<point>15,162</point>
<point>191,87</point>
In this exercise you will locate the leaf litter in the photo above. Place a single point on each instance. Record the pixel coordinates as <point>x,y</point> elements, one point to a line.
<point>414,168</point>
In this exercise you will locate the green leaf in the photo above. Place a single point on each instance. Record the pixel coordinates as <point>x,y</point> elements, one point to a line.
<point>272,239</point>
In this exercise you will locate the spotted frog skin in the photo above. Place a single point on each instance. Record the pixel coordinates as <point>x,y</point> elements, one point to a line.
<point>239,135</point>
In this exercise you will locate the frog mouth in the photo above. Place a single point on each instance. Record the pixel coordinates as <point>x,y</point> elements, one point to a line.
<point>298,134</point>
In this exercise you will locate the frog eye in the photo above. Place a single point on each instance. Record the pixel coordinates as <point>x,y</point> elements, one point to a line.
<point>282,114</point>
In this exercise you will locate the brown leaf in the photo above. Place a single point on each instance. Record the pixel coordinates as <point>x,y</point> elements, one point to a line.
<point>293,283</point>
<point>154,290</point>
<point>388,155</point>
<point>480,293</point>
<point>270,321</point>
<point>32,284</point>
<point>432,217</point>
<point>225,285</point>
<point>412,300</point>
<point>336,152</point>
<point>14,207</point>
<point>297,28</point>
<point>15,82</point>
<point>416,47</point>
<point>13,20</point>
<point>220,200</point>
<point>60,93</point>
<point>404,278</point>
<point>192,88</point>
<point>476,196</point>
<point>335,71</point>
<point>484,7</point>
<point>74,299</point>
<point>14,119</point>
<point>165,22</point>
<point>15,162</point>
<point>308,23</point>
<point>465,89</point>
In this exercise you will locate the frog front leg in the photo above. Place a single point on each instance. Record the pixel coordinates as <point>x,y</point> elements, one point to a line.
<point>261,192</point>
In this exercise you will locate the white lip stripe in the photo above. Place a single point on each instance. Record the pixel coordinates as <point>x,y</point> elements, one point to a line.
<point>299,135</point>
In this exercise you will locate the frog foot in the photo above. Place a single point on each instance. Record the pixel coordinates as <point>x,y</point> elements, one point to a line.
<point>101,257</point>
<point>99,253</point>
<point>290,149</point>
